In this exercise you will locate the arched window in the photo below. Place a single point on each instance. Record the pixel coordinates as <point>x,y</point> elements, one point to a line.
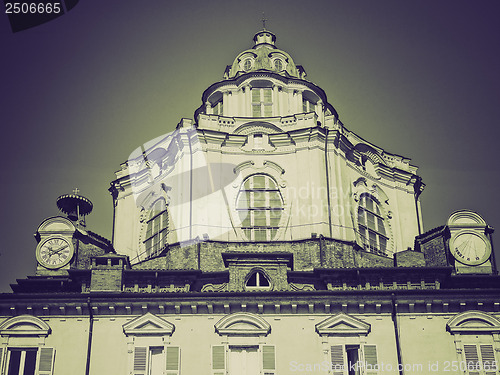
<point>371,225</point>
<point>157,225</point>
<point>260,207</point>
<point>258,280</point>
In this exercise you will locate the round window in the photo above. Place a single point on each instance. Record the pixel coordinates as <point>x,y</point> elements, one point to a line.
<point>247,65</point>
<point>278,65</point>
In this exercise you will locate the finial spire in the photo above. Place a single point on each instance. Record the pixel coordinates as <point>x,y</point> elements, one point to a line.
<point>264,19</point>
<point>76,191</point>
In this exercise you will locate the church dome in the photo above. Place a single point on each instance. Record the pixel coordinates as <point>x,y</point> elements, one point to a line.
<point>264,55</point>
<point>265,82</point>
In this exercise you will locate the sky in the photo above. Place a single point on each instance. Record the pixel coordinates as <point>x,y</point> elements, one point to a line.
<point>80,93</point>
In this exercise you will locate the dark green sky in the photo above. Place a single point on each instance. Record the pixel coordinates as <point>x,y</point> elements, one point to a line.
<point>78,94</point>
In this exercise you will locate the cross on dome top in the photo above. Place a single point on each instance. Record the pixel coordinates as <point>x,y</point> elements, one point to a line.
<point>264,19</point>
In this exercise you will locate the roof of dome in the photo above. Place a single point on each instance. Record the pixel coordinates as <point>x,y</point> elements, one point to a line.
<point>264,56</point>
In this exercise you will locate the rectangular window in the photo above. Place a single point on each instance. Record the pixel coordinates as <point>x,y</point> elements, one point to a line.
<point>480,359</point>
<point>156,360</point>
<point>353,360</point>
<point>243,360</point>
<point>262,102</point>
<point>217,108</point>
<point>308,106</point>
<point>29,361</point>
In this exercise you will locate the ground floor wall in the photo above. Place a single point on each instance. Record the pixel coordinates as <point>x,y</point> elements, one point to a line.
<point>246,343</point>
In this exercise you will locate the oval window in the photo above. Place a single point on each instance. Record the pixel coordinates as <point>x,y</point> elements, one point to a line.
<point>247,65</point>
<point>278,65</point>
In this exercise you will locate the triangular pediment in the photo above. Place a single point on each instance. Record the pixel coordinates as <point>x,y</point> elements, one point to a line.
<point>243,324</point>
<point>342,324</point>
<point>24,325</point>
<point>473,321</point>
<point>148,324</point>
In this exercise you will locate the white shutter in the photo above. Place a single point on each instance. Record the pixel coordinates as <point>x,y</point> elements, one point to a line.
<point>337,359</point>
<point>489,365</point>
<point>218,360</point>
<point>269,359</point>
<point>140,360</point>
<point>472,359</point>
<point>173,360</point>
<point>46,361</point>
<point>371,363</point>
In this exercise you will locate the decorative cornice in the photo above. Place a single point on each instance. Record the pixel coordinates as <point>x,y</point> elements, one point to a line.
<point>342,324</point>
<point>24,325</point>
<point>243,324</point>
<point>473,321</point>
<point>148,324</point>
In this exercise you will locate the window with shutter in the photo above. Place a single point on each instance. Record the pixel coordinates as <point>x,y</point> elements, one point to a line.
<point>348,360</point>
<point>480,359</point>
<point>218,360</point>
<point>23,361</point>
<point>156,360</point>
<point>269,359</point>
<point>46,362</point>
<point>140,360</point>
<point>490,365</point>
<point>337,359</point>
<point>173,360</point>
<point>371,363</point>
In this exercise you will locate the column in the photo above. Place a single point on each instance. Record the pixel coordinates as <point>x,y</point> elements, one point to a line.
<point>276,107</point>
<point>225,103</point>
<point>247,102</point>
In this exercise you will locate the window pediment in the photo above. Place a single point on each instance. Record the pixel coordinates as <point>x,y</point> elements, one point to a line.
<point>24,325</point>
<point>243,324</point>
<point>342,324</point>
<point>473,321</point>
<point>148,324</point>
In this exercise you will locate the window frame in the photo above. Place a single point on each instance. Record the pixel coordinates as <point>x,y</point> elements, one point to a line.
<point>43,364</point>
<point>277,62</point>
<point>253,194</point>
<point>308,105</point>
<point>378,244</point>
<point>344,368</point>
<point>474,328</point>
<point>218,108</point>
<point>156,229</point>
<point>147,332</point>
<point>244,64</point>
<point>262,104</point>
<point>142,359</point>
<point>258,275</point>
<point>34,331</point>
<point>221,365</point>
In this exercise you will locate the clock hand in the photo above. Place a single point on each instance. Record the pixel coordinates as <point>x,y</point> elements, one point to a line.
<point>61,249</point>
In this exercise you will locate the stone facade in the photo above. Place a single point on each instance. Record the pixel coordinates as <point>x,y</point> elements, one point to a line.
<point>262,238</point>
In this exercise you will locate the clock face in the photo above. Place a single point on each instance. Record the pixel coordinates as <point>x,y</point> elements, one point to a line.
<point>470,248</point>
<point>54,252</point>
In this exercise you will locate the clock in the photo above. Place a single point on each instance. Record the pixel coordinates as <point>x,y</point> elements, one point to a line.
<point>54,252</point>
<point>470,248</point>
